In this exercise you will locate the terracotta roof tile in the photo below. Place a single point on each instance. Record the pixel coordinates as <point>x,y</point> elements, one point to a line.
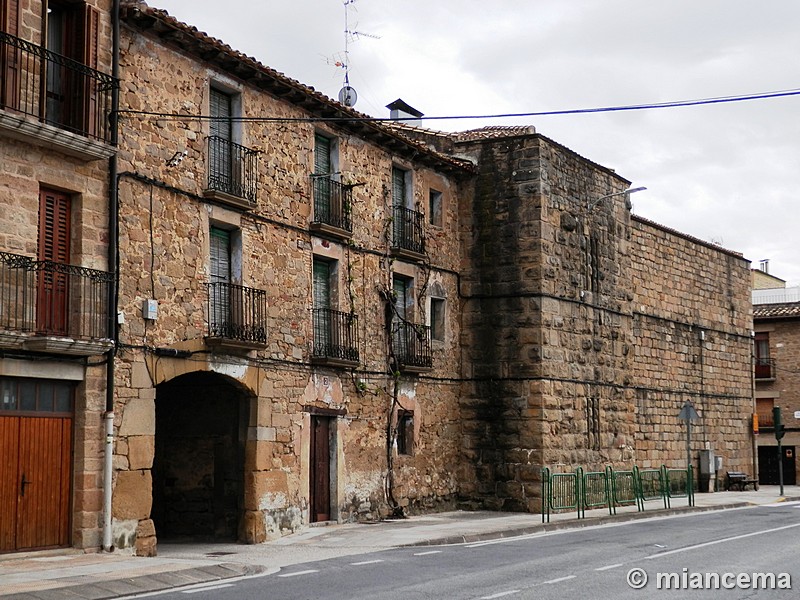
<point>785,310</point>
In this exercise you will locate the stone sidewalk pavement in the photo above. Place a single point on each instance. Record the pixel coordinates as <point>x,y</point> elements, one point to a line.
<point>75,575</point>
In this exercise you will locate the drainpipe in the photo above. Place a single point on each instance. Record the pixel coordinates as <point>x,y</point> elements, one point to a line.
<point>113,263</point>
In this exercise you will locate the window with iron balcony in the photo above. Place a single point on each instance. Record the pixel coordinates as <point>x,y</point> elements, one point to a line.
<point>56,84</point>
<point>408,233</point>
<point>335,332</point>
<point>232,168</point>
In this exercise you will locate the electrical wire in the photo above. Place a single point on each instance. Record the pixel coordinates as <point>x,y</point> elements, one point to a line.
<point>574,111</point>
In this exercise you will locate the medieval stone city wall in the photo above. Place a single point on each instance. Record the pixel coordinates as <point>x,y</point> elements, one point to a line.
<point>692,320</point>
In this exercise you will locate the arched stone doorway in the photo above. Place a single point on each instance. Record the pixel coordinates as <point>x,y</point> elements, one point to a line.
<point>198,468</point>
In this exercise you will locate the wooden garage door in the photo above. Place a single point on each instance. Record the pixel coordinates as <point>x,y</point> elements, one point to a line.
<point>35,463</point>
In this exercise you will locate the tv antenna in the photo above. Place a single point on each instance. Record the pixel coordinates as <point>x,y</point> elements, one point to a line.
<point>348,95</point>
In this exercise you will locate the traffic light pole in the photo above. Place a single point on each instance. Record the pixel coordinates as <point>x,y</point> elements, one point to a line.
<point>779,433</point>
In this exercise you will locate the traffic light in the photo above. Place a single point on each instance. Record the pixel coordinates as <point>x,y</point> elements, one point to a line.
<point>780,430</point>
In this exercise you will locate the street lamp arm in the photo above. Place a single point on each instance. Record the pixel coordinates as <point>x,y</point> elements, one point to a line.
<point>591,205</point>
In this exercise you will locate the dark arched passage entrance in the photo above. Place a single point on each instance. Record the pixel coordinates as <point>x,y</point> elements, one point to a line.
<point>198,469</point>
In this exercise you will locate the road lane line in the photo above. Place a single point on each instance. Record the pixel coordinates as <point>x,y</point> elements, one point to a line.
<point>366,562</point>
<point>427,553</point>
<point>722,541</point>
<point>607,567</point>
<point>559,579</point>
<point>208,587</point>
<point>500,595</point>
<point>296,573</point>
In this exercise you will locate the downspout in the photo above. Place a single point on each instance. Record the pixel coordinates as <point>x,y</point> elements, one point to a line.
<point>113,292</point>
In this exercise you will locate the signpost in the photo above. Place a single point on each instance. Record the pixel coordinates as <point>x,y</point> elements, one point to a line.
<point>689,414</point>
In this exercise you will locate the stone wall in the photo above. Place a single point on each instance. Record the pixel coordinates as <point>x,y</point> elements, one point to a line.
<point>581,327</point>
<point>692,320</point>
<point>164,239</point>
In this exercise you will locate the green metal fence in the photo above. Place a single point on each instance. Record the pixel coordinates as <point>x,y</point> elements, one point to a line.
<point>609,489</point>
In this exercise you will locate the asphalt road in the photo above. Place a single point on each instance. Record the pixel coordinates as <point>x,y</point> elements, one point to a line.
<point>724,548</point>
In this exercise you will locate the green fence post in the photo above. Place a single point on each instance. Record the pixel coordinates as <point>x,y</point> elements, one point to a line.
<point>546,491</point>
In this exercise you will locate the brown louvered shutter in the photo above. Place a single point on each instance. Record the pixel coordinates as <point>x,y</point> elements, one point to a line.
<point>52,299</point>
<point>91,34</point>
<point>9,57</point>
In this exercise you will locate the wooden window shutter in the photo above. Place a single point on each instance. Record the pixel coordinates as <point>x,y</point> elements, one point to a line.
<point>322,155</point>
<point>91,58</point>
<point>322,284</point>
<point>53,284</point>
<point>54,226</point>
<point>398,187</point>
<point>221,105</point>
<point>9,57</point>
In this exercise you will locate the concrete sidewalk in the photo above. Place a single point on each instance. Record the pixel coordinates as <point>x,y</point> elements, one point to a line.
<point>74,575</point>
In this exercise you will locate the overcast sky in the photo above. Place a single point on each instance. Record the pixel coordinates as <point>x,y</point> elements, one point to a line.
<point>725,173</point>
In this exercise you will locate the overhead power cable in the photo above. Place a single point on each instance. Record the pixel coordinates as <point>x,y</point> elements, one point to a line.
<point>545,113</point>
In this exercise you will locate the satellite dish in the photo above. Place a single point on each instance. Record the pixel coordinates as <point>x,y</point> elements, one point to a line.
<point>348,96</point>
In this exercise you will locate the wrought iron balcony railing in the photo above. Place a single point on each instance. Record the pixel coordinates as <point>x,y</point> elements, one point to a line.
<point>232,169</point>
<point>765,368</point>
<point>237,313</point>
<point>411,344</point>
<point>332,203</point>
<point>43,297</point>
<point>408,231</point>
<point>335,335</point>
<point>54,89</point>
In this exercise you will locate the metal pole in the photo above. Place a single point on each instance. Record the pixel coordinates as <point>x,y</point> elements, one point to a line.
<point>688,445</point>
<point>780,466</point>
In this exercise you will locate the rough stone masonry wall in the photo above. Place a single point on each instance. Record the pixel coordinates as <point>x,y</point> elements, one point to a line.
<point>564,338</point>
<point>502,275</point>
<point>277,254</point>
<point>692,318</point>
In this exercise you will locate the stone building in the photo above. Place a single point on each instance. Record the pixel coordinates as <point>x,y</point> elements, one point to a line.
<point>776,355</point>
<point>322,317</point>
<point>55,280</point>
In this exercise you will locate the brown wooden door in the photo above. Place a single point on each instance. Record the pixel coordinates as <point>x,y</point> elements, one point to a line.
<point>53,281</point>
<point>35,464</point>
<point>320,461</point>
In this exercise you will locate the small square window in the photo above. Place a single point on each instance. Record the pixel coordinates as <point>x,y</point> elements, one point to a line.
<point>435,208</point>
<point>437,319</point>
<point>405,432</point>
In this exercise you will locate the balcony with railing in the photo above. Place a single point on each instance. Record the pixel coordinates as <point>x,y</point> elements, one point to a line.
<point>765,368</point>
<point>53,307</point>
<point>335,338</point>
<point>332,205</point>
<point>237,317</point>
<point>408,233</point>
<point>54,100</point>
<point>232,173</point>
<point>411,344</point>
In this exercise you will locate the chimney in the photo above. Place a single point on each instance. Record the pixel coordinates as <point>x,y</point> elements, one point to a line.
<point>764,265</point>
<point>399,110</point>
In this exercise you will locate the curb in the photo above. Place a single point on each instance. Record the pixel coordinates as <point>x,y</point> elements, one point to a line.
<point>575,524</point>
<point>115,588</point>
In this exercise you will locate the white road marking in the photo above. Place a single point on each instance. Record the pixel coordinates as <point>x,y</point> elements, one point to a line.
<point>427,553</point>
<point>499,595</point>
<point>366,562</point>
<point>559,579</point>
<point>607,567</point>
<point>208,587</point>
<point>722,541</point>
<point>296,573</point>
